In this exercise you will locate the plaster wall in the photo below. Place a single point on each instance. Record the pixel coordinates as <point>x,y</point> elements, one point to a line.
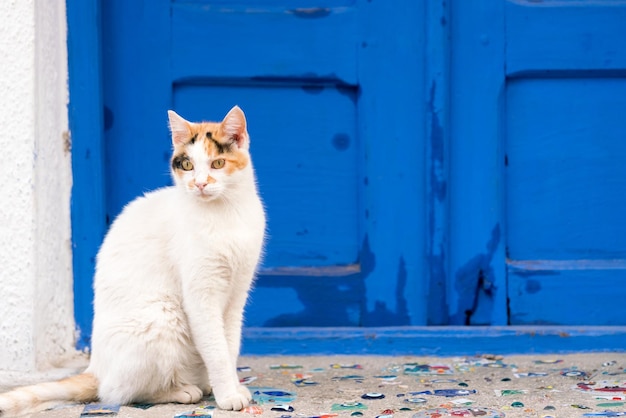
<point>36,312</point>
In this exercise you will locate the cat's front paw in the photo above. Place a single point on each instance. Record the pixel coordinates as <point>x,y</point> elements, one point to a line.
<point>245,392</point>
<point>235,401</point>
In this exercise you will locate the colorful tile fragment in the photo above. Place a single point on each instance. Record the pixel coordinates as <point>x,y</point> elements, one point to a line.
<point>345,366</point>
<point>459,412</point>
<point>530,374</point>
<point>143,406</point>
<point>356,378</point>
<point>574,373</point>
<point>98,409</point>
<point>300,379</point>
<point>331,415</point>
<point>283,408</point>
<point>247,380</point>
<point>461,402</point>
<point>510,392</point>
<point>548,361</point>
<point>263,395</point>
<point>348,406</point>
<point>285,366</point>
<point>203,411</point>
<point>611,397</point>
<point>373,395</point>
<point>453,392</point>
<point>603,386</point>
<point>253,410</point>
<point>416,369</point>
<point>415,400</point>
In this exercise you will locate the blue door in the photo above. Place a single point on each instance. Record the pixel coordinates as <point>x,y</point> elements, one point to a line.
<point>537,167</point>
<point>331,122</point>
<point>422,163</point>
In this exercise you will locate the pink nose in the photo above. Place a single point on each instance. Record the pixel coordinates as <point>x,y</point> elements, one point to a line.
<point>201,185</point>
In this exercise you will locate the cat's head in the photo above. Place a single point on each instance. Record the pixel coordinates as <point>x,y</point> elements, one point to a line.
<point>209,158</point>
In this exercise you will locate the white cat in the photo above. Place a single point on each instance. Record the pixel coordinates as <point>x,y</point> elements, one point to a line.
<point>172,278</point>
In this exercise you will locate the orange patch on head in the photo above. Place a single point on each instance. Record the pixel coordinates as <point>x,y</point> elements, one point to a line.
<point>235,161</point>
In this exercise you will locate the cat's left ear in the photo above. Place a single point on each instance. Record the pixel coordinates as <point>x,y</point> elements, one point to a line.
<point>234,126</point>
<point>181,131</point>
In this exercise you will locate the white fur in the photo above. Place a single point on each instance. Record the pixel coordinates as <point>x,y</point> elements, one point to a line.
<point>172,279</point>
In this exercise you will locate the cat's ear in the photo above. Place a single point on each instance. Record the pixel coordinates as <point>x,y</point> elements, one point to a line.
<point>234,126</point>
<point>181,131</point>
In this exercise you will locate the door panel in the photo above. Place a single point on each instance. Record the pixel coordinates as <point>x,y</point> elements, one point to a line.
<point>562,36</point>
<point>273,39</point>
<point>299,160</point>
<point>565,153</point>
<point>331,124</point>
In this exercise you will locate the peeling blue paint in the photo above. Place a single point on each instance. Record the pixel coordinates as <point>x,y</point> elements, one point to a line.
<point>438,183</point>
<point>474,285</point>
<point>341,141</point>
<point>382,315</point>
<point>312,89</point>
<point>533,286</point>
<point>321,301</point>
<point>437,193</point>
<point>531,273</point>
<point>350,91</point>
<point>401,303</point>
<point>367,259</point>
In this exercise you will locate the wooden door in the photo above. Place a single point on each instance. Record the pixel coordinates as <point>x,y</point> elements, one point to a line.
<point>332,119</point>
<point>538,167</point>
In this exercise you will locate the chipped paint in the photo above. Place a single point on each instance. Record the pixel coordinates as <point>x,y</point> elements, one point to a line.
<point>474,285</point>
<point>437,193</point>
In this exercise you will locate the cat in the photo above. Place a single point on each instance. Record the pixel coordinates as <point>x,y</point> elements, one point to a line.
<point>172,278</point>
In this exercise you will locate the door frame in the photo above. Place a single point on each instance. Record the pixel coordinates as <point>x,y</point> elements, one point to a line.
<point>86,123</point>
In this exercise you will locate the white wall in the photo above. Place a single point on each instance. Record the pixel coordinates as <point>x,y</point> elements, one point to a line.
<point>36,298</point>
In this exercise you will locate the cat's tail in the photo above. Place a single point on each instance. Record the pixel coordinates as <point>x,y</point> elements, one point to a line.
<point>35,398</point>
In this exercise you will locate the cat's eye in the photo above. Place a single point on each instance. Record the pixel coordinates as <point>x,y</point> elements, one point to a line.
<point>219,163</point>
<point>186,165</point>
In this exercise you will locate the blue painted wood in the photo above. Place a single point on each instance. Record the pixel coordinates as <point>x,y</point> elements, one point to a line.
<point>275,39</point>
<point>322,300</point>
<point>86,123</point>
<point>556,36</point>
<point>136,94</point>
<point>427,341</point>
<point>477,280</point>
<point>565,151</point>
<point>437,83</point>
<point>550,293</point>
<point>566,173</point>
<point>391,109</point>
<point>319,114</point>
<point>380,151</point>
<point>306,170</point>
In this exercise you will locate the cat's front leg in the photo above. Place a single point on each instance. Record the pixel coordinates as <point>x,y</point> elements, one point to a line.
<point>233,321</point>
<point>205,303</point>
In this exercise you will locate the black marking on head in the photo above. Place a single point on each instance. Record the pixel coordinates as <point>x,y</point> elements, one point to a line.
<point>221,148</point>
<point>193,138</point>
<point>177,161</point>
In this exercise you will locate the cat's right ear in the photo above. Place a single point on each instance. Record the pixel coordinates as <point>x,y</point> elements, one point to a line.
<point>181,131</point>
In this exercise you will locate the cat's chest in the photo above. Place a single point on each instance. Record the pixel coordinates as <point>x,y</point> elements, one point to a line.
<point>231,236</point>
